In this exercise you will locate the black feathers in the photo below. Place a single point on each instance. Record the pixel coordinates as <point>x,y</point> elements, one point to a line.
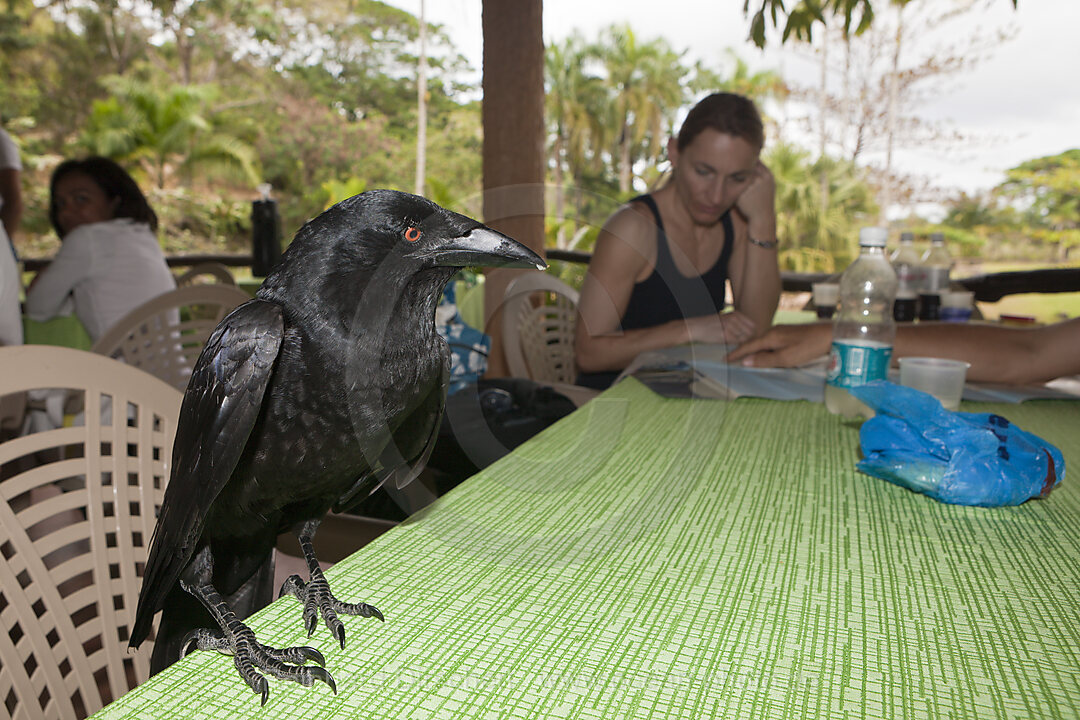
<point>332,380</point>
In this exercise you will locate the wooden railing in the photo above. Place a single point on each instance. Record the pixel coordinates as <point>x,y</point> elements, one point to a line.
<point>988,288</point>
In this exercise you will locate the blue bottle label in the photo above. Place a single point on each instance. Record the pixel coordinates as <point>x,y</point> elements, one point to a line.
<point>856,362</point>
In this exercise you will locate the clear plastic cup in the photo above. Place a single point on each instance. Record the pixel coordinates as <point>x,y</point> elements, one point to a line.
<point>826,296</point>
<point>944,379</point>
<point>956,305</point>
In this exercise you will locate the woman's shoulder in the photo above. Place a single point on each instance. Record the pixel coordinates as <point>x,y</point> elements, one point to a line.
<point>117,229</point>
<point>634,222</point>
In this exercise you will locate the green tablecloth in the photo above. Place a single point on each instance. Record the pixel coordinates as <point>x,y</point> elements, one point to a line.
<point>690,559</point>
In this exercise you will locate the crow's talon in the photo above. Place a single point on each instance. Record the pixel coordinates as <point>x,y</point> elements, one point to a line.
<point>317,599</point>
<point>293,585</point>
<point>312,654</point>
<point>324,676</point>
<point>263,689</point>
<point>339,632</point>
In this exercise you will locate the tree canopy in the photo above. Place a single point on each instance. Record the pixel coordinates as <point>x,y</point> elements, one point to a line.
<point>800,21</point>
<point>204,100</point>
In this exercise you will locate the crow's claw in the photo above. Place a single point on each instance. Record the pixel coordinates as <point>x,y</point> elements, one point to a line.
<point>339,632</point>
<point>312,654</point>
<point>252,658</point>
<point>323,675</point>
<point>263,688</point>
<point>318,600</point>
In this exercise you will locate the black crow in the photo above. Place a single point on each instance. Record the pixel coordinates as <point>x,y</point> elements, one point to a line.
<point>329,383</point>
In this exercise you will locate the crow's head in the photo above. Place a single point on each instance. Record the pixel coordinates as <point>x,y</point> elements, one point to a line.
<point>385,246</point>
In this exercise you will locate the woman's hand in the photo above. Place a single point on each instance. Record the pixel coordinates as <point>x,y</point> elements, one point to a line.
<point>757,203</point>
<point>728,328</point>
<point>785,346</point>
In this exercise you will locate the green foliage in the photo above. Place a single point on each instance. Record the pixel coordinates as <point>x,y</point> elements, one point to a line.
<point>336,190</point>
<point>799,22</point>
<point>203,100</point>
<point>195,223</point>
<point>820,207</point>
<point>611,107</point>
<point>165,130</point>
<point>1034,214</point>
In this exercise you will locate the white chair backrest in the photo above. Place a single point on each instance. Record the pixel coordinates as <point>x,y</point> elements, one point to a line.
<point>539,314</point>
<point>214,271</point>
<point>165,335</point>
<point>79,508</point>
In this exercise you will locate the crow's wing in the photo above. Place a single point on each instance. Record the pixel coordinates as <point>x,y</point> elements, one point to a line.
<point>404,459</point>
<point>222,402</point>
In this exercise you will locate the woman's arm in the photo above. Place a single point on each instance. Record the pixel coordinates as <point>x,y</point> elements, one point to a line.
<point>754,272</point>
<point>52,286</point>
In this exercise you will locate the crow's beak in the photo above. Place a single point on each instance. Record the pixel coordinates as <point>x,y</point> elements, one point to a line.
<point>485,247</point>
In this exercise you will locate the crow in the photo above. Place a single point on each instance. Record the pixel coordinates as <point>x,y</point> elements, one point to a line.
<point>327,384</point>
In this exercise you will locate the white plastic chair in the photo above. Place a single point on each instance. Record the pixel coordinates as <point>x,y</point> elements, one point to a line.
<point>539,315</point>
<point>74,532</point>
<point>215,272</point>
<point>165,335</point>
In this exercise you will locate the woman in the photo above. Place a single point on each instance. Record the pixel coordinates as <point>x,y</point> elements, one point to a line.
<point>109,262</point>
<point>657,276</point>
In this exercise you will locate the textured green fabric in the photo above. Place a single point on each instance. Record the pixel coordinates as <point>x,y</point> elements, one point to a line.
<point>65,330</point>
<point>690,559</point>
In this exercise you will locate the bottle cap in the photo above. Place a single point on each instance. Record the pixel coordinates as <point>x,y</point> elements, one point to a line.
<point>907,237</point>
<point>873,236</point>
<point>937,238</point>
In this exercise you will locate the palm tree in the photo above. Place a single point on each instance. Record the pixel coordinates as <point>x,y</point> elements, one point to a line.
<point>816,234</point>
<point>647,79</point>
<point>563,79</point>
<point>163,127</point>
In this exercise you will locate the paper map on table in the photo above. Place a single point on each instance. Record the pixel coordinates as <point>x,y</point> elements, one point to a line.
<point>700,371</point>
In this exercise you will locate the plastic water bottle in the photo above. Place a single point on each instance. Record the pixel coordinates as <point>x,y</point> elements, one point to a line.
<point>937,264</point>
<point>909,274</point>
<point>863,328</point>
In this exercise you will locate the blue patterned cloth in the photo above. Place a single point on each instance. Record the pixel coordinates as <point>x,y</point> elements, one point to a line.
<point>468,346</point>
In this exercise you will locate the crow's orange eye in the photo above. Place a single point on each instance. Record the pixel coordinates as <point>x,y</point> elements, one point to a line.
<point>412,234</point>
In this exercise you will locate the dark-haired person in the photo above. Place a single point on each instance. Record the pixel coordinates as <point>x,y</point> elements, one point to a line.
<point>658,273</point>
<point>109,261</point>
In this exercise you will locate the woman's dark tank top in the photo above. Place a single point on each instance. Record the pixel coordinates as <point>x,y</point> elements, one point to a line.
<point>666,294</point>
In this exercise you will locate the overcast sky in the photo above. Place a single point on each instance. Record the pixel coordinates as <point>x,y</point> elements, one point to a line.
<point>1021,103</point>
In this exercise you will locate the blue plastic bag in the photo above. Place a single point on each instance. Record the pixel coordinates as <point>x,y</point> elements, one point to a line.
<point>955,457</point>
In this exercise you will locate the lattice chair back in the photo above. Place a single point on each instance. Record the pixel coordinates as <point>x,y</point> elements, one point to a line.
<point>165,335</point>
<point>78,511</point>
<point>539,317</point>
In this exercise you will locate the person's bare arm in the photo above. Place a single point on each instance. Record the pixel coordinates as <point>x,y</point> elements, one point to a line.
<point>754,271</point>
<point>623,250</point>
<point>11,192</point>
<point>1015,356</point>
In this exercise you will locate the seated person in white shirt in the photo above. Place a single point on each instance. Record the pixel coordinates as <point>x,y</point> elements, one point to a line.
<point>110,261</point>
